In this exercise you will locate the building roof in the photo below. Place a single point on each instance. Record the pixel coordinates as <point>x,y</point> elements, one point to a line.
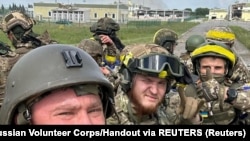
<point>121,6</point>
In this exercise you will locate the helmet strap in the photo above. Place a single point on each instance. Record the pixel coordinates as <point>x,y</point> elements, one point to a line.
<point>23,116</point>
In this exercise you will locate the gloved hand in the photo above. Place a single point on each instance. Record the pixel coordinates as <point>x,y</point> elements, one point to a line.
<point>210,89</point>
<point>189,106</point>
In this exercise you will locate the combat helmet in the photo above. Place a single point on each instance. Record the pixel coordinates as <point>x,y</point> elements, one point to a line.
<point>165,38</point>
<point>214,49</point>
<point>222,34</point>
<point>93,48</point>
<point>15,18</point>
<point>105,25</point>
<point>150,59</point>
<point>193,42</point>
<point>63,66</point>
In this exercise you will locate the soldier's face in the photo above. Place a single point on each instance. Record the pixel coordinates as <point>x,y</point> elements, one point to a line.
<point>216,65</point>
<point>63,106</point>
<point>147,93</point>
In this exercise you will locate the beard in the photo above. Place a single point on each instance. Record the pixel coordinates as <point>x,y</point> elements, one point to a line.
<point>142,107</point>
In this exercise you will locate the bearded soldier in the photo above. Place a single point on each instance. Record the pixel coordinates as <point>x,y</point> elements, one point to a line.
<point>144,86</point>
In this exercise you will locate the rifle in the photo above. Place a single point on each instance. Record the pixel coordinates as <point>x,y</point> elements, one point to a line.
<point>36,42</point>
<point>4,48</point>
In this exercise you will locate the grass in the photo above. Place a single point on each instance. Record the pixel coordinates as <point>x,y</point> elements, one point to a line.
<point>74,33</point>
<point>129,34</point>
<point>242,35</point>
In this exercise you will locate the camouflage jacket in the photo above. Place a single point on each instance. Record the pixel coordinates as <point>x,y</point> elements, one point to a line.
<point>240,72</point>
<point>223,113</point>
<point>126,115</point>
<point>113,77</point>
<point>6,63</point>
<point>186,60</point>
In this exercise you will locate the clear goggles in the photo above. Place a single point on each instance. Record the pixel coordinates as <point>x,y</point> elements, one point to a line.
<point>157,63</point>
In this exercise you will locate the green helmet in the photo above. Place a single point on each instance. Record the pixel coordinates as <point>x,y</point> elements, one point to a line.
<point>214,49</point>
<point>193,42</point>
<point>166,38</point>
<point>93,48</point>
<point>16,18</point>
<point>105,25</point>
<point>53,66</point>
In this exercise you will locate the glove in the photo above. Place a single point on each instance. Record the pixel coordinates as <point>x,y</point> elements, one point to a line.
<point>210,89</point>
<point>189,106</point>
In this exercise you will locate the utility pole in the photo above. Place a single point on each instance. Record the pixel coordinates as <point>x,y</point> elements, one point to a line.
<point>118,11</point>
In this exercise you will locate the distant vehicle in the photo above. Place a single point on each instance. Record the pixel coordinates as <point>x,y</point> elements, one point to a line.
<point>64,21</point>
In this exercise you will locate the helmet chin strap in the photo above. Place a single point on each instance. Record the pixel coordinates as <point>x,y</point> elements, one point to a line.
<point>23,116</point>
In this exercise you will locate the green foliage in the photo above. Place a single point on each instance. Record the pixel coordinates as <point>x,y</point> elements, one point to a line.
<point>242,35</point>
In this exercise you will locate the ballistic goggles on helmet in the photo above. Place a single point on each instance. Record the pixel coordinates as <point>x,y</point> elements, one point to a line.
<point>159,63</point>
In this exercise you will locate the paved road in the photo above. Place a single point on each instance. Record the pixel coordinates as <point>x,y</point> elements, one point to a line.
<point>201,29</point>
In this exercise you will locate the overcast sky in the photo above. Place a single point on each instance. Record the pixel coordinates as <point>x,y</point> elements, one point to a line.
<point>155,4</point>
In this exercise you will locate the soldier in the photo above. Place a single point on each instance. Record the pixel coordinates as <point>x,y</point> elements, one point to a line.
<point>93,48</point>
<point>191,44</point>
<point>105,32</point>
<point>226,103</point>
<point>18,27</point>
<point>223,34</point>
<point>166,38</point>
<point>65,87</point>
<point>107,27</point>
<point>144,85</point>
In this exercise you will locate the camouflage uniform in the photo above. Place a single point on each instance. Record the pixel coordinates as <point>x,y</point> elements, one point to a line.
<point>22,43</point>
<point>6,55</point>
<point>93,48</point>
<point>125,113</point>
<point>241,73</point>
<point>186,60</point>
<point>108,27</point>
<point>217,110</point>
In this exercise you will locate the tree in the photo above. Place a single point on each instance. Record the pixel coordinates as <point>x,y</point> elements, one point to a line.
<point>201,12</point>
<point>2,11</point>
<point>188,9</point>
